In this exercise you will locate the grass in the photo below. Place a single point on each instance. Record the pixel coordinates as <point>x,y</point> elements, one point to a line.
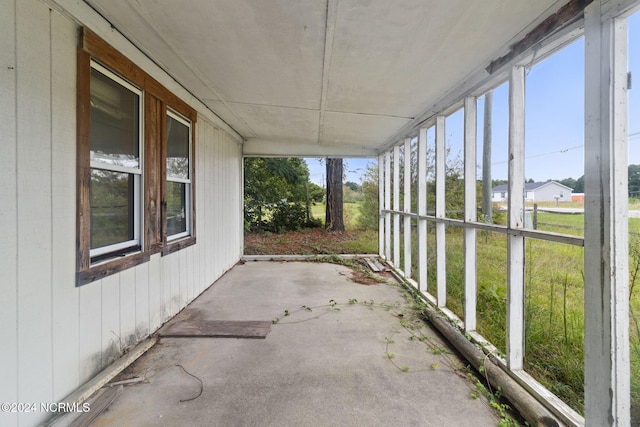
<point>634,204</point>
<point>564,220</point>
<point>554,306</point>
<point>553,309</point>
<point>351,211</point>
<point>634,326</point>
<point>356,240</point>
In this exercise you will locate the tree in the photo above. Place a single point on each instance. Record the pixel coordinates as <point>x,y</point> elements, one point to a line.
<point>634,180</point>
<point>334,214</point>
<point>275,188</point>
<point>487,208</point>
<point>369,215</point>
<point>569,182</point>
<point>316,193</point>
<point>352,185</point>
<point>579,188</point>
<point>454,187</point>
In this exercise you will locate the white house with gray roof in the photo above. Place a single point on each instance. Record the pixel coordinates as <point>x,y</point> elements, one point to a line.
<point>549,191</point>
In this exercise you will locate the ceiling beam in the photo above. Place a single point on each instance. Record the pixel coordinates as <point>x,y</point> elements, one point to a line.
<point>256,147</point>
<point>566,14</point>
<point>330,30</point>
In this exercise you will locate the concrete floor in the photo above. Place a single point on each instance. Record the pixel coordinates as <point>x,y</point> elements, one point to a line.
<point>324,367</point>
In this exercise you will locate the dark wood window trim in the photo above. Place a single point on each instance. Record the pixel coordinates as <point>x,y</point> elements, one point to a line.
<point>176,245</point>
<point>156,101</point>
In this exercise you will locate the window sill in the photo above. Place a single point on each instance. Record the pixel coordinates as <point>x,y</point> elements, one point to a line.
<point>108,268</point>
<point>177,245</point>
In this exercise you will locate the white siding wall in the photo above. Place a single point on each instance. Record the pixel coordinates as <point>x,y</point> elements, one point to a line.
<point>55,336</point>
<point>546,193</point>
<point>8,210</point>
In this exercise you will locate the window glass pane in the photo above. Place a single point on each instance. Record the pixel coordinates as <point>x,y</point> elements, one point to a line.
<point>454,165</point>
<point>454,259</point>
<point>492,150</point>
<point>491,276</point>
<point>115,128</point>
<point>177,149</point>
<point>554,131</point>
<point>554,318</point>
<point>112,208</point>
<point>633,174</point>
<point>176,208</point>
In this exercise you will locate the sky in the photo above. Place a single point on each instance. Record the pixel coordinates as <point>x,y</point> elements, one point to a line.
<point>354,168</point>
<point>554,120</point>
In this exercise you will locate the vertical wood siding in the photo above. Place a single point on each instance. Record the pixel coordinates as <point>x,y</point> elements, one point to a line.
<point>55,336</point>
<point>33,119</point>
<point>8,210</point>
<point>65,298</point>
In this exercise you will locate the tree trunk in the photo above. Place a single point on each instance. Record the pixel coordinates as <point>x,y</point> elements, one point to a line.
<point>334,218</point>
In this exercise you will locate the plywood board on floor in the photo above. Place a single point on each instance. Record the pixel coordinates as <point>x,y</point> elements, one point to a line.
<point>218,329</point>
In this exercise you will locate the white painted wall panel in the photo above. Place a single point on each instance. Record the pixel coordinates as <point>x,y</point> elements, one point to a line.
<point>110,325</point>
<point>142,301</point>
<point>127,309</point>
<point>58,335</point>
<point>90,334</point>
<point>155,293</point>
<point>8,212</point>
<point>33,49</point>
<point>65,296</point>
<point>182,264</point>
<point>190,273</point>
<point>216,188</point>
<point>201,224</point>
<point>165,289</point>
<point>174,262</point>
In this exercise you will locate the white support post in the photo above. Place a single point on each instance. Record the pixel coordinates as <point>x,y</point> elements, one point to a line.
<point>407,207</point>
<point>387,206</point>
<point>606,288</point>
<point>470,213</point>
<point>515,246</point>
<point>441,244</point>
<point>422,210</point>
<point>380,205</point>
<point>396,206</point>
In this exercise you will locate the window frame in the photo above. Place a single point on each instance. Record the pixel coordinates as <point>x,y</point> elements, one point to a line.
<point>155,102</point>
<point>133,245</point>
<point>188,196</point>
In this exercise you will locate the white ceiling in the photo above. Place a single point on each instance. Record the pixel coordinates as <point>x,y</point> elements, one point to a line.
<point>322,77</point>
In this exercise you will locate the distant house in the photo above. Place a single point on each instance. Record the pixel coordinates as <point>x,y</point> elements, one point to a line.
<point>549,191</point>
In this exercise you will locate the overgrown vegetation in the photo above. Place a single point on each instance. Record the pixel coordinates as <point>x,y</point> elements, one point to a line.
<point>634,325</point>
<point>278,195</point>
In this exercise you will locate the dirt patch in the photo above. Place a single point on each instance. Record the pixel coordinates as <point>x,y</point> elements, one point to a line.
<point>305,242</point>
<point>363,278</point>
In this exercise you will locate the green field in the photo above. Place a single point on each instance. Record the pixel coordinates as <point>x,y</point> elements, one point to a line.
<point>351,212</point>
<point>554,305</point>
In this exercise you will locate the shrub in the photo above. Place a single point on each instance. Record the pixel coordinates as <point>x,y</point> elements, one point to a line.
<point>290,217</point>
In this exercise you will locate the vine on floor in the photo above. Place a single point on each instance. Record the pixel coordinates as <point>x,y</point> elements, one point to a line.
<point>411,318</point>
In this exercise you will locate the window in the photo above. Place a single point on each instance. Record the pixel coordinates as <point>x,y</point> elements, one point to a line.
<point>135,164</point>
<point>116,168</point>
<point>178,176</point>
